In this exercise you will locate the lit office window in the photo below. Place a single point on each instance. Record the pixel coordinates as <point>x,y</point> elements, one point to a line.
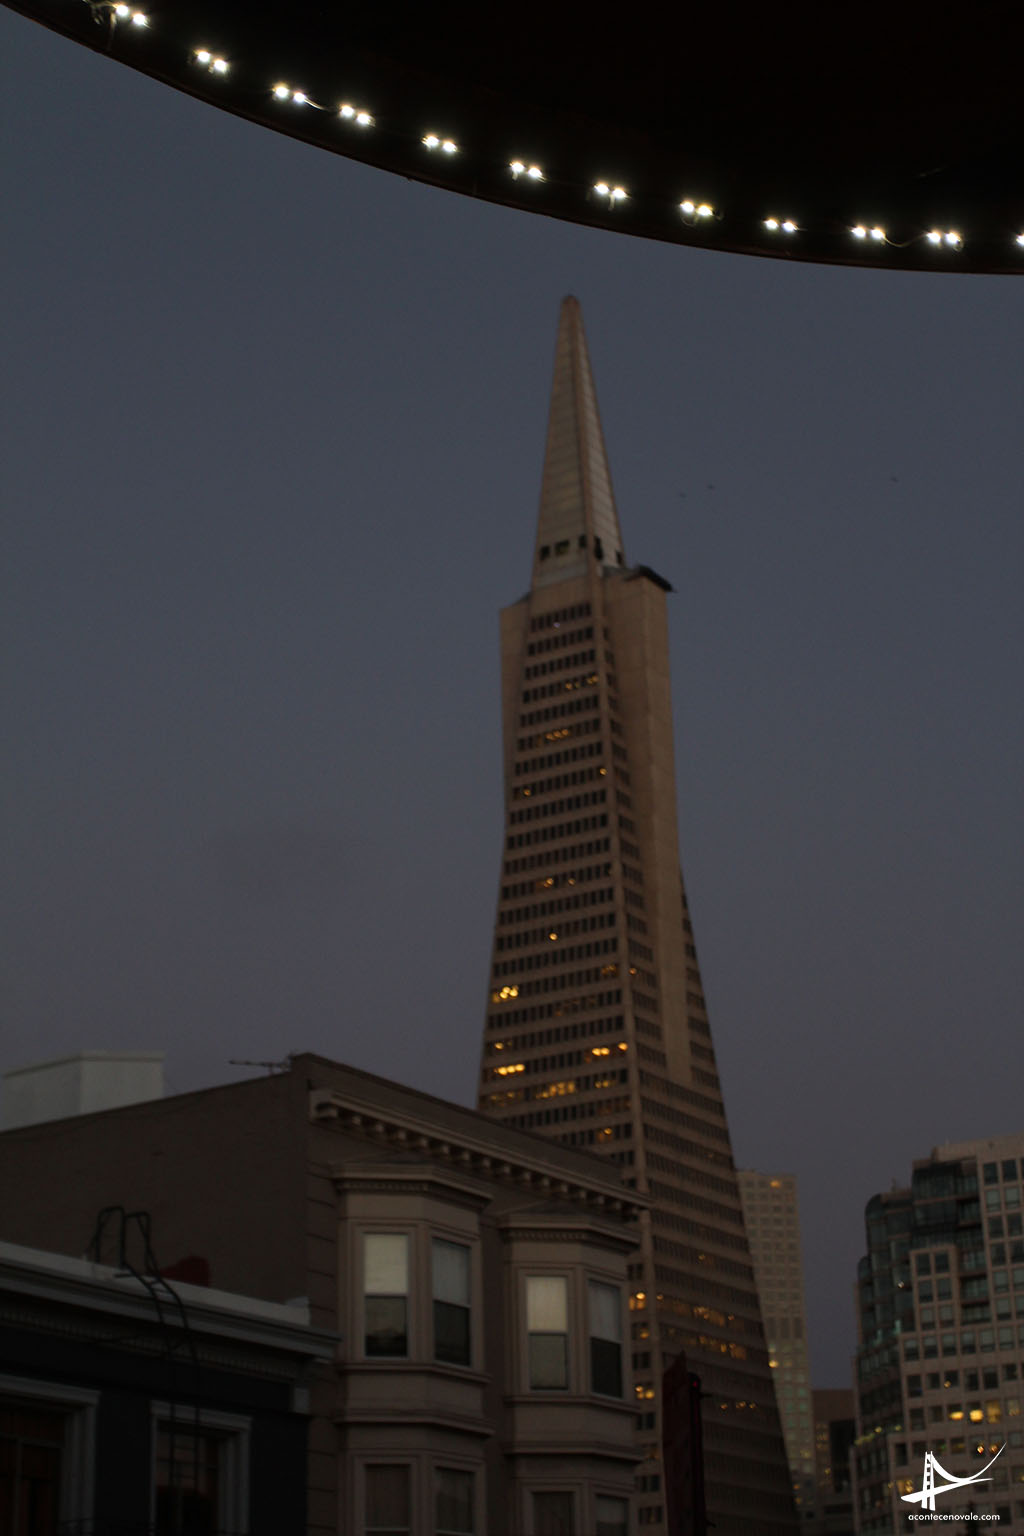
<point>547,1327</point>
<point>386,1294</point>
<point>451,1303</point>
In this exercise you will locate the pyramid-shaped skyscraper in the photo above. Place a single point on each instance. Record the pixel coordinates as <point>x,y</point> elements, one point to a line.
<point>597,1033</point>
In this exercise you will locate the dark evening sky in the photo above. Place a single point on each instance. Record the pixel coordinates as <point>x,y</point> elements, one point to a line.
<point>275,425</point>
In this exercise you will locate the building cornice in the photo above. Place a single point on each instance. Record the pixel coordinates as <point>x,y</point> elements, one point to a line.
<point>91,1297</point>
<point>475,1156</point>
<point>592,1233</point>
<point>424,1178</point>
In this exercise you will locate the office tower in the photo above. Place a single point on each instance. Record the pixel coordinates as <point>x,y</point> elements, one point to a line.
<point>597,1032</point>
<point>940,1356</point>
<point>772,1220</point>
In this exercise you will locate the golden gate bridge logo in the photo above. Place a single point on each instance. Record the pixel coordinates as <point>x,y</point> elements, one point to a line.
<point>930,1491</point>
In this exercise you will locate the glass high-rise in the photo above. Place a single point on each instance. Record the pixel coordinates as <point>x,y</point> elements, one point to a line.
<point>597,1030</point>
<point>940,1356</point>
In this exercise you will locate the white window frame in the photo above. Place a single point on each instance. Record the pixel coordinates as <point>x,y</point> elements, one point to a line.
<point>78,1463</point>
<point>234,1431</point>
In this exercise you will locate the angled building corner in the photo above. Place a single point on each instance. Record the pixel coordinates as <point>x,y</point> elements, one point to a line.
<point>597,1032</point>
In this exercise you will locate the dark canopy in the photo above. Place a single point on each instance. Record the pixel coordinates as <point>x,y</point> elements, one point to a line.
<point>717,123</point>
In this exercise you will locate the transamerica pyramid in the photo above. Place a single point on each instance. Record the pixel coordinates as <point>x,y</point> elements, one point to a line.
<point>597,1033</point>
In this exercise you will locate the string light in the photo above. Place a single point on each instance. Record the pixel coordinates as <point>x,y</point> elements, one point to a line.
<point>119,10</point>
<point>286,93</point>
<point>356,115</point>
<point>944,237</point>
<point>216,65</point>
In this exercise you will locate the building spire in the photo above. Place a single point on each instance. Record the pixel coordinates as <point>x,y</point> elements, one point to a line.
<point>578,524</point>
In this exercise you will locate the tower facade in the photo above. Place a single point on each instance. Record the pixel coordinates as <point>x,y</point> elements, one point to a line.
<point>772,1218</point>
<point>597,1031</point>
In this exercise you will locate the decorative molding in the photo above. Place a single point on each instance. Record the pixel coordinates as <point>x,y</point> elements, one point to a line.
<point>481,1158</point>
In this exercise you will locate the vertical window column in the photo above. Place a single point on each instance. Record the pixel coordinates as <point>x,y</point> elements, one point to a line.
<point>386,1294</point>
<point>188,1480</point>
<point>387,1502</point>
<point>453,1503</point>
<point>605,1339</point>
<point>611,1516</point>
<point>553,1514</point>
<point>31,1453</point>
<point>451,1280</point>
<point>547,1328</point>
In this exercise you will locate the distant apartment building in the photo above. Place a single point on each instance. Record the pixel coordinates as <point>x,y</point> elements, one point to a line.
<point>473,1274</point>
<point>772,1218</point>
<point>940,1358</point>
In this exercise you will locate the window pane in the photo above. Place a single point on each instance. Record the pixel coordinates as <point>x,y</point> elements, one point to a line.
<point>386,1329</point>
<point>451,1333</point>
<point>454,1507</point>
<point>187,1482</point>
<point>606,1367</point>
<point>552,1514</point>
<point>386,1261</point>
<point>549,1361</point>
<point>30,1470</point>
<point>605,1311</point>
<point>387,1501</point>
<point>451,1273</point>
<point>612,1516</point>
<point>547,1305</point>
